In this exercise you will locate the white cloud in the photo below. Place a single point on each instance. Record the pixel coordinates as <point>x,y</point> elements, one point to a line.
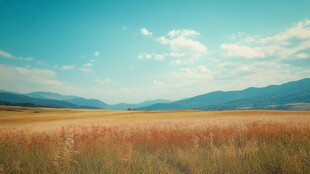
<point>27,79</point>
<point>264,73</point>
<point>184,82</point>
<point>97,54</point>
<point>145,32</point>
<point>159,56</point>
<point>11,56</point>
<point>301,31</point>
<point>104,81</point>
<point>244,69</point>
<point>176,62</point>
<point>233,75</point>
<point>6,54</point>
<point>86,67</point>
<point>302,55</point>
<point>39,62</point>
<point>285,45</point>
<point>249,39</point>
<point>180,45</point>
<point>68,67</point>
<point>146,55</point>
<point>203,68</point>
<point>196,74</point>
<point>235,50</point>
<point>26,58</point>
<point>182,33</point>
<point>155,82</point>
<point>239,75</point>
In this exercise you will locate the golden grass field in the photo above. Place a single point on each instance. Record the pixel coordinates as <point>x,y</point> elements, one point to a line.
<point>41,140</point>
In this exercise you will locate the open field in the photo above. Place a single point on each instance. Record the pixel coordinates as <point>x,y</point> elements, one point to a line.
<point>40,140</point>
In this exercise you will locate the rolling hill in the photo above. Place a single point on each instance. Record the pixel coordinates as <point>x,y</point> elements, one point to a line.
<point>270,97</point>
<point>124,106</point>
<point>55,100</point>
<point>79,101</point>
<point>22,100</point>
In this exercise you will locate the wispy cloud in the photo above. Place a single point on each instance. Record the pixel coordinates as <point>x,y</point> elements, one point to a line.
<point>146,55</point>
<point>302,55</point>
<point>68,67</point>
<point>156,82</point>
<point>190,75</point>
<point>89,65</point>
<point>86,67</point>
<point>19,78</point>
<point>11,56</point>
<point>97,54</point>
<point>104,81</point>
<point>6,54</point>
<point>26,58</point>
<point>236,50</point>
<point>39,62</point>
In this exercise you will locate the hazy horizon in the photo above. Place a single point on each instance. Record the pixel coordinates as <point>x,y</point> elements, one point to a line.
<point>143,101</point>
<point>129,52</point>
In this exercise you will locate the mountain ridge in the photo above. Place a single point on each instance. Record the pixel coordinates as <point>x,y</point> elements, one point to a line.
<point>79,101</point>
<point>49,99</point>
<point>122,106</point>
<point>253,97</point>
<point>19,99</point>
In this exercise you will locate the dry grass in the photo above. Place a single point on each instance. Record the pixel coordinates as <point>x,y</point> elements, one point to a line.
<point>94,141</point>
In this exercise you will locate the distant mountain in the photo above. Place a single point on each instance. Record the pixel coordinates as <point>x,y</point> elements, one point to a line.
<point>124,106</point>
<point>270,97</point>
<point>49,99</point>
<point>4,91</point>
<point>22,100</point>
<point>49,95</point>
<point>79,101</point>
<point>88,102</point>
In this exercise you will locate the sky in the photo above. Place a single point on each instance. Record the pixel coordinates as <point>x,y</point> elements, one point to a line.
<point>136,50</point>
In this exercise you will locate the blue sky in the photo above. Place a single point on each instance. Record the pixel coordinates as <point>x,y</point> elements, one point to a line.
<point>131,51</point>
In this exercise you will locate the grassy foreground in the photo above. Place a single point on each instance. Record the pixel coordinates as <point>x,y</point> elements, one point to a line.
<point>90,141</point>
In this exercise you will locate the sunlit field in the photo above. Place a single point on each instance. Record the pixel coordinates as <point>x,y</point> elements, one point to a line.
<point>97,141</point>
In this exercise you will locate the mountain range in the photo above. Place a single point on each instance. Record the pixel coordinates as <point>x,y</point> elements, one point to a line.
<point>271,97</point>
<point>123,106</point>
<point>55,100</point>
<point>288,96</point>
<point>79,101</point>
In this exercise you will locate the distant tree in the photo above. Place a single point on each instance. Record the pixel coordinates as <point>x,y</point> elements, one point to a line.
<point>131,109</point>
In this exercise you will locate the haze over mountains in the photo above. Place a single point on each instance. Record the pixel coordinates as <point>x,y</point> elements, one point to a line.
<point>55,100</point>
<point>289,96</point>
<point>79,101</point>
<point>283,97</point>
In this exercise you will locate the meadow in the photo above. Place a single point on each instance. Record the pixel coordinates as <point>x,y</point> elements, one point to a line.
<point>41,140</point>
